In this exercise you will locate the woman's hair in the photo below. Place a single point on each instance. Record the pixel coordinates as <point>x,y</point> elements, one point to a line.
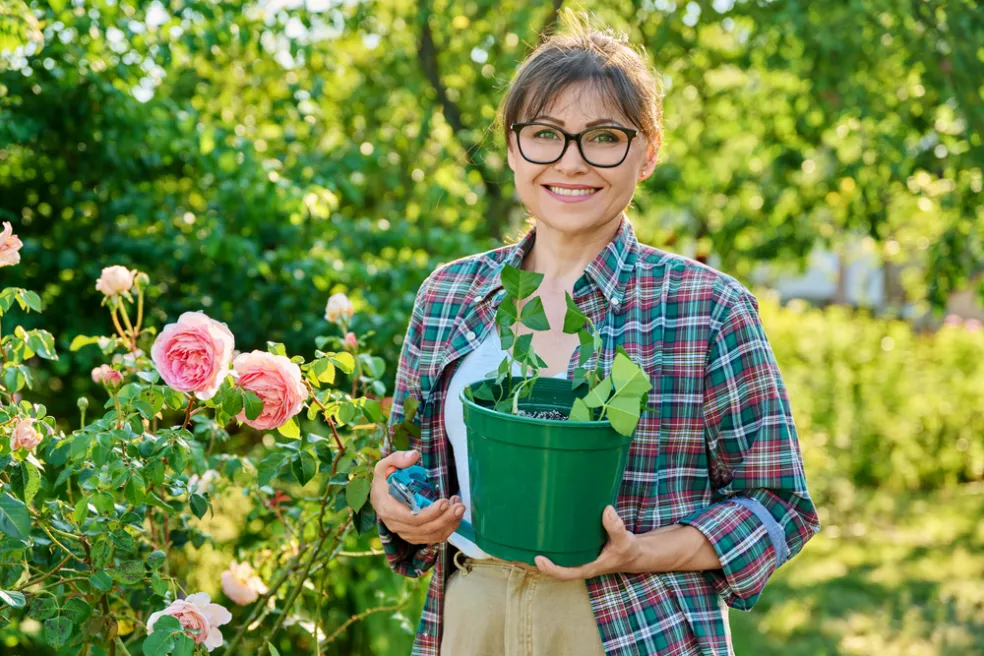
<point>601,57</point>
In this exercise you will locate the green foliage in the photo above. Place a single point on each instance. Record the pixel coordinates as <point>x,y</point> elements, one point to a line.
<point>878,404</point>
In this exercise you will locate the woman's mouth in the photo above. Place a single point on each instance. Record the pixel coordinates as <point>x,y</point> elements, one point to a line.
<point>565,195</point>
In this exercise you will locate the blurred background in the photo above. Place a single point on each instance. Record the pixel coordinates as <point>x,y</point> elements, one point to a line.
<point>255,157</point>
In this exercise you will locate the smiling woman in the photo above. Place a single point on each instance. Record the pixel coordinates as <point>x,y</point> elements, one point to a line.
<point>713,498</point>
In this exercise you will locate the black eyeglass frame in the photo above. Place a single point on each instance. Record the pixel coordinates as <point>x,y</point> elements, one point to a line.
<point>568,138</point>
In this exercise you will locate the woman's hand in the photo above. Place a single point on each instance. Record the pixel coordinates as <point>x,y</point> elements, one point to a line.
<point>618,555</point>
<point>434,523</point>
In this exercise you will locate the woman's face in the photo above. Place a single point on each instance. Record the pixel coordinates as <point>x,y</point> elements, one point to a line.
<point>572,110</point>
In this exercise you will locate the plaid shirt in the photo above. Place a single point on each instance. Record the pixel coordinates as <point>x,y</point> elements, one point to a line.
<point>720,454</point>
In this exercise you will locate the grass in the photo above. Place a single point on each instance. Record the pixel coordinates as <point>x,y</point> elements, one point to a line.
<point>901,575</point>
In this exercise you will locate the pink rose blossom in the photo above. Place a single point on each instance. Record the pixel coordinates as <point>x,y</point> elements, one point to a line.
<point>277,381</point>
<point>193,354</point>
<point>973,325</point>
<point>241,584</point>
<point>115,280</point>
<point>952,320</point>
<point>10,244</point>
<point>106,375</point>
<point>351,341</point>
<point>201,618</point>
<point>339,308</point>
<point>25,435</point>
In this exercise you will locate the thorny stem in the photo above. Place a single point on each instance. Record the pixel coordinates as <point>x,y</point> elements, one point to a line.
<point>191,402</point>
<point>45,576</point>
<point>119,328</point>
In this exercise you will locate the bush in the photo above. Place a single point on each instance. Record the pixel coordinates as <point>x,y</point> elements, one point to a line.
<point>878,404</point>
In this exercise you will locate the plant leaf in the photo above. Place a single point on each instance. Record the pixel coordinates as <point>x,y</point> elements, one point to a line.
<point>598,395</point>
<point>12,599</point>
<point>15,521</point>
<point>574,319</point>
<point>357,491</point>
<point>534,316</point>
<point>580,411</point>
<point>623,413</point>
<point>519,283</point>
<point>290,429</point>
<point>630,379</point>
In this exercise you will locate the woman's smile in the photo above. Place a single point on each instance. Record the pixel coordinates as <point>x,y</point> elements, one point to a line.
<point>571,195</point>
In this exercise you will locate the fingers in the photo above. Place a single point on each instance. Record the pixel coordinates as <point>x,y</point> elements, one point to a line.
<point>547,566</point>
<point>395,460</point>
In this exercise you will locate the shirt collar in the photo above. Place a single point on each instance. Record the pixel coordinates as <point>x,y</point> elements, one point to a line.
<point>610,271</point>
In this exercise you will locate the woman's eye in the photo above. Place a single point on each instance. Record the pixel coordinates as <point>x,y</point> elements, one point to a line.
<point>546,134</point>
<point>605,137</point>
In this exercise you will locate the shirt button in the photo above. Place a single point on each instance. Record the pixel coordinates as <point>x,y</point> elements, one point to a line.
<point>471,335</point>
<point>615,302</point>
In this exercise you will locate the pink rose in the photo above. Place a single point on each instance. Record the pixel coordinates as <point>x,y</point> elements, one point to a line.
<point>351,341</point>
<point>201,618</point>
<point>193,354</point>
<point>338,308</point>
<point>25,435</point>
<point>952,320</point>
<point>241,584</point>
<point>277,381</point>
<point>10,244</point>
<point>115,280</point>
<point>106,375</point>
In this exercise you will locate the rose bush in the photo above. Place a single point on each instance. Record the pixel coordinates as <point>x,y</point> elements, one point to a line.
<point>93,519</point>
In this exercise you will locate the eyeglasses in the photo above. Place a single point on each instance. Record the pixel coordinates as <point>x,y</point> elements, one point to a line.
<point>603,146</point>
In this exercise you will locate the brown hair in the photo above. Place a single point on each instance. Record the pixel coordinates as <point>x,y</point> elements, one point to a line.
<point>580,53</point>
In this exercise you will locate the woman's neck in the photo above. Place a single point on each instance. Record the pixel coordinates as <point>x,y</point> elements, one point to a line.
<point>562,257</point>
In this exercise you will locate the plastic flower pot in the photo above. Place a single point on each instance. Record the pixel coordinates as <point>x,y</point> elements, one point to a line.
<point>540,486</point>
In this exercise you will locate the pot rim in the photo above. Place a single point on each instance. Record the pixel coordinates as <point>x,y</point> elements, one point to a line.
<point>536,421</point>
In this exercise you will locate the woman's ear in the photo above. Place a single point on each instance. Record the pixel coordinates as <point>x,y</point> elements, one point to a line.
<point>510,153</point>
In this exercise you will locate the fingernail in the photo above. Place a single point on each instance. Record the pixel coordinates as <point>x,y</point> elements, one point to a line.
<point>459,512</point>
<point>444,506</point>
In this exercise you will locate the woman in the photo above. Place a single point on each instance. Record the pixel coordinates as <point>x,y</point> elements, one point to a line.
<point>714,497</point>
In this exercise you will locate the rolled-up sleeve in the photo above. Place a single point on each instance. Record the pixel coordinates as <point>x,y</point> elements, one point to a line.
<point>762,514</point>
<point>404,558</point>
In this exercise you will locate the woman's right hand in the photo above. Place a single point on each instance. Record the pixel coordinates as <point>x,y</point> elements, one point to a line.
<point>434,523</point>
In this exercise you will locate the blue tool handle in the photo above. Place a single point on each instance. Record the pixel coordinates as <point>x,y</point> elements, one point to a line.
<point>416,476</point>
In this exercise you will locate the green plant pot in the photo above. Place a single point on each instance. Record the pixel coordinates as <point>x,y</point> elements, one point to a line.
<point>540,486</point>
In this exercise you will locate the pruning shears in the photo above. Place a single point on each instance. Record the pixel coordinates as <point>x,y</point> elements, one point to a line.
<point>410,486</point>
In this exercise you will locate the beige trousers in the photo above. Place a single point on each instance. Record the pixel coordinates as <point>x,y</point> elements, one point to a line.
<point>498,608</point>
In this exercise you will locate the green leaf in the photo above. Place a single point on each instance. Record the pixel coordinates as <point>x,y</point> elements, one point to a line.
<point>519,283</point>
<point>101,581</point>
<point>324,370</point>
<point>82,340</point>
<point>77,610</point>
<point>506,315</point>
<point>232,401</point>
<point>357,491</point>
<point>15,520</point>
<point>183,645</point>
<point>253,403</point>
<point>156,559</point>
<point>158,584</point>
<point>574,319</point>
<point>135,489</point>
<point>57,631</point>
<point>290,429</point>
<point>25,480</point>
<point>623,413</point>
<point>81,510</point>
<point>630,379</point>
<point>43,607</point>
<point>158,643</point>
<point>522,349</point>
<point>103,501</point>
<point>122,540</point>
<point>273,650</point>
<point>343,361</point>
<point>303,466</point>
<point>276,348</point>
<point>12,599</point>
<point>199,505</point>
<point>129,572</point>
<point>410,405</point>
<point>579,411</point>
<point>598,395</point>
<point>534,316</point>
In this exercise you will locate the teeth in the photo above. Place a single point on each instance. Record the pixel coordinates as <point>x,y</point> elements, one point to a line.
<point>571,192</point>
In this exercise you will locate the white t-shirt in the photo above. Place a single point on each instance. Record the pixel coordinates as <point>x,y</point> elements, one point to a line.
<point>481,363</point>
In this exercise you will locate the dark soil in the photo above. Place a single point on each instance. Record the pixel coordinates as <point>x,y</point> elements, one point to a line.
<point>543,414</point>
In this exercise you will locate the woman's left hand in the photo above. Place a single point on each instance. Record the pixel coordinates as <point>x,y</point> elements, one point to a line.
<point>618,555</point>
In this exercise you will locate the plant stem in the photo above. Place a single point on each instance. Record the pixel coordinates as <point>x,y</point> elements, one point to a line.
<point>191,402</point>
<point>45,576</point>
<point>122,646</point>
